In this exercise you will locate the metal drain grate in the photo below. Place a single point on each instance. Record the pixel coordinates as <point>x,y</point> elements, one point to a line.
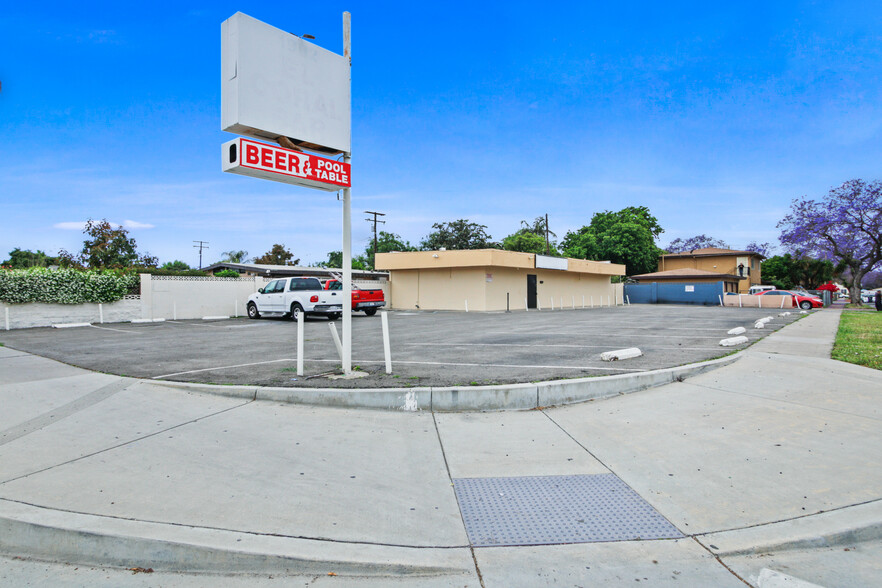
<point>546,510</point>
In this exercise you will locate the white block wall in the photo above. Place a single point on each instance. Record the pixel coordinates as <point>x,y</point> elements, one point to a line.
<point>23,316</point>
<point>195,297</point>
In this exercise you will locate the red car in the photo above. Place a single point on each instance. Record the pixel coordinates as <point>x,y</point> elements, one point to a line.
<point>804,301</point>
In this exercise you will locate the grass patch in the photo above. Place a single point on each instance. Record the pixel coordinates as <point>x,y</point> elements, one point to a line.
<point>859,339</point>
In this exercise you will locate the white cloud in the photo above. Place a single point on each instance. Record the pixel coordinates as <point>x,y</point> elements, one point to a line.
<point>71,226</point>
<point>80,225</point>
<point>130,224</point>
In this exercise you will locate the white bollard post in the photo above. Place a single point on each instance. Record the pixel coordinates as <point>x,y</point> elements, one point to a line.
<point>174,311</point>
<point>526,308</point>
<point>467,304</point>
<point>592,302</point>
<point>574,303</point>
<point>336,337</point>
<point>740,304</point>
<point>628,298</point>
<point>561,302</point>
<point>760,301</point>
<point>552,303</point>
<point>607,302</point>
<point>237,309</point>
<point>583,301</point>
<point>782,302</point>
<point>721,299</point>
<point>100,313</point>
<point>300,343</point>
<point>538,304</point>
<point>386,347</point>
<point>7,317</point>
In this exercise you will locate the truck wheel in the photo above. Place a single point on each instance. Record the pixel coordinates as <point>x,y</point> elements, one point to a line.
<point>335,316</point>
<point>296,309</point>
<point>370,311</point>
<point>252,311</point>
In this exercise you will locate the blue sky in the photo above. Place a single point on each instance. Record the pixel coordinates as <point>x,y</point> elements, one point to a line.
<point>713,117</point>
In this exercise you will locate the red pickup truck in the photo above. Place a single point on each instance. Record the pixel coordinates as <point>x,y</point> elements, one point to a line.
<point>367,300</point>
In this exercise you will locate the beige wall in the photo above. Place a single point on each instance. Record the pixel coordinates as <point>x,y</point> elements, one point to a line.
<point>485,289</point>
<point>751,301</point>
<point>723,264</point>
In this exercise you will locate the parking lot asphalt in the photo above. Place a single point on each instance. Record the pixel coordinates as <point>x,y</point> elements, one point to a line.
<point>428,348</point>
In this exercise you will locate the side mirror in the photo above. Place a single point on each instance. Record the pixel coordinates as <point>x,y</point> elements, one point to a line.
<point>260,290</point>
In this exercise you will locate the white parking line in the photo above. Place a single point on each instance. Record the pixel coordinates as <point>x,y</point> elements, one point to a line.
<point>117,330</point>
<point>223,367</point>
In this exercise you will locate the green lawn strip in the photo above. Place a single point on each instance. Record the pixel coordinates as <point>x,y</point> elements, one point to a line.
<point>859,339</point>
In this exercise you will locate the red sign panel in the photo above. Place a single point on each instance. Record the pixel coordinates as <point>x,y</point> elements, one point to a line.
<point>251,158</point>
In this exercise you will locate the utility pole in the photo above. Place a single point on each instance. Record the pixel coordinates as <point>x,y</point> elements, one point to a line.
<point>201,245</point>
<point>547,247</point>
<point>375,221</point>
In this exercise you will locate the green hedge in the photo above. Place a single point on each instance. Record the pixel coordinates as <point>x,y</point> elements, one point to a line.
<point>64,286</point>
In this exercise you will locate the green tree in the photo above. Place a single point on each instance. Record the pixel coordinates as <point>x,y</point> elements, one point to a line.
<point>788,271</point>
<point>24,258</point>
<point>527,242</point>
<point>386,243</point>
<point>459,234</point>
<point>278,255</point>
<point>176,265</point>
<point>235,256</point>
<point>107,247</point>
<point>335,261</point>
<point>627,237</point>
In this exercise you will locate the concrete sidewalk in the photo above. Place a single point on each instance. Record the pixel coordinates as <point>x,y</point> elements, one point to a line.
<point>767,466</point>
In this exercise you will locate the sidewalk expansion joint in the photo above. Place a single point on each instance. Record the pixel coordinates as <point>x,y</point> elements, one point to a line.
<point>783,401</point>
<point>123,444</point>
<point>227,530</point>
<point>789,519</point>
<point>62,412</point>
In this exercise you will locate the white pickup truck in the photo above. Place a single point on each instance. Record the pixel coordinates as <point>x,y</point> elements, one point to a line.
<point>291,296</point>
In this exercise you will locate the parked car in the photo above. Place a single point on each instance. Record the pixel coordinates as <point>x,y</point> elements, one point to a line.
<point>868,296</point>
<point>802,300</point>
<point>292,296</point>
<point>757,288</point>
<point>368,300</point>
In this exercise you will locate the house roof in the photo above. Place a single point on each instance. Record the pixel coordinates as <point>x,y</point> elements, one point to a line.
<point>713,252</point>
<point>683,273</point>
<point>291,270</point>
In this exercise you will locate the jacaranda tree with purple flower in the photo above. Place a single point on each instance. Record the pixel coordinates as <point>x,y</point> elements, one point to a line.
<point>844,227</point>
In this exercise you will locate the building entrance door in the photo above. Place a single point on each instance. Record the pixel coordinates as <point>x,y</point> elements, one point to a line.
<point>531,291</point>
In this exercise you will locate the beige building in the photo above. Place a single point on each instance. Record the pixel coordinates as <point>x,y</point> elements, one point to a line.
<point>744,265</point>
<point>492,279</point>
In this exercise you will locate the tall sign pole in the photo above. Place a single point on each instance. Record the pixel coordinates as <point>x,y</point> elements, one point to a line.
<point>347,221</point>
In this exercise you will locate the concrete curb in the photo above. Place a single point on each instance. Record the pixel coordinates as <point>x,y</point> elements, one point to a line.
<point>845,527</point>
<point>464,398</point>
<point>83,539</point>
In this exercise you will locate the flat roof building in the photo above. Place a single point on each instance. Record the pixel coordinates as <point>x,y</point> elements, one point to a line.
<point>493,280</point>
